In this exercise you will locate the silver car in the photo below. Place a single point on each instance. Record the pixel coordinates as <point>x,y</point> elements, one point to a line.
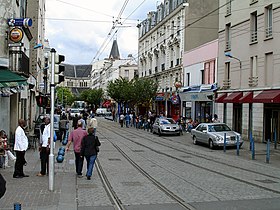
<point>165,126</point>
<point>213,134</point>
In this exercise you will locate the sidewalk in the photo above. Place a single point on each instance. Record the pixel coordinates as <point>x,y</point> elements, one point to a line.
<point>33,192</point>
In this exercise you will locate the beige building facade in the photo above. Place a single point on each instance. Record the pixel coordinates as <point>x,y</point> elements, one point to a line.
<point>248,67</point>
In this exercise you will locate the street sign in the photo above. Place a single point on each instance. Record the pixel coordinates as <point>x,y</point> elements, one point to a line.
<point>15,44</point>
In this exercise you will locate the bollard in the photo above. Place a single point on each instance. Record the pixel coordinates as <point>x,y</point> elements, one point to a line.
<point>253,149</point>
<point>251,139</point>
<point>237,145</point>
<point>17,206</point>
<point>267,151</point>
<point>225,142</point>
<point>275,138</point>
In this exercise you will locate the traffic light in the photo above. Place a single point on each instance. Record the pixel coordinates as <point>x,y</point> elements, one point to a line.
<point>42,101</point>
<point>58,68</point>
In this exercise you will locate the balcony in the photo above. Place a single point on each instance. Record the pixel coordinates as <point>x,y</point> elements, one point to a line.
<point>228,45</point>
<point>254,36</point>
<point>226,84</point>
<point>253,81</point>
<point>19,63</point>
<point>268,32</point>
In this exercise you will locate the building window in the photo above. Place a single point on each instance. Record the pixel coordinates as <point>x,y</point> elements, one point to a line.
<point>269,69</point>
<point>254,27</point>
<point>171,64</point>
<point>163,67</point>
<point>126,73</point>
<point>228,36</point>
<point>188,79</point>
<point>202,76</point>
<point>156,70</point>
<point>268,21</point>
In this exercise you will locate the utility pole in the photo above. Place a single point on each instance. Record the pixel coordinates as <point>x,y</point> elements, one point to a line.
<point>51,156</point>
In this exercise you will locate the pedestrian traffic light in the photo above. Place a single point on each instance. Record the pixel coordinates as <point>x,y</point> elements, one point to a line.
<point>58,68</point>
<point>42,101</point>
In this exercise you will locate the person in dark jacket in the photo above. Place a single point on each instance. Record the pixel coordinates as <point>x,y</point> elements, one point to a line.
<point>89,150</point>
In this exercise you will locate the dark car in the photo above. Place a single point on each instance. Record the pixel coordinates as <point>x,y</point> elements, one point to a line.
<point>40,120</point>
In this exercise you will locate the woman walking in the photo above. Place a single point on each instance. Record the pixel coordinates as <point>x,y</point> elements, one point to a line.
<point>89,150</point>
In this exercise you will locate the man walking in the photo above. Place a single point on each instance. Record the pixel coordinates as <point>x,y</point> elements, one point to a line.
<point>44,147</point>
<point>21,145</point>
<point>76,137</point>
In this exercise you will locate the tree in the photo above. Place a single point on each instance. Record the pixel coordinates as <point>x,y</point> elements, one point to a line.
<point>145,90</point>
<point>92,96</point>
<point>64,95</point>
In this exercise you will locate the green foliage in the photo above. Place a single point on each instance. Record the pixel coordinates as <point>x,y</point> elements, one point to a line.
<point>140,90</point>
<point>64,95</point>
<point>92,96</point>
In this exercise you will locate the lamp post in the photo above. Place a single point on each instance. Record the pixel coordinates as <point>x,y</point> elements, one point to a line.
<point>228,54</point>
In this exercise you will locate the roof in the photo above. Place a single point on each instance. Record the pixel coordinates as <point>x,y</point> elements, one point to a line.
<point>77,71</point>
<point>115,54</point>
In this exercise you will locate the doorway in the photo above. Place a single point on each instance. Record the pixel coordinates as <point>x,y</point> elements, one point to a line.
<point>237,118</point>
<point>271,123</point>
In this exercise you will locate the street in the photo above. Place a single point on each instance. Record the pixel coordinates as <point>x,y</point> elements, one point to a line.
<point>140,170</point>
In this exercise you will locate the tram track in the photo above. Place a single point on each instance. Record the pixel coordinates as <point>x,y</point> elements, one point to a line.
<point>124,135</point>
<point>117,202</point>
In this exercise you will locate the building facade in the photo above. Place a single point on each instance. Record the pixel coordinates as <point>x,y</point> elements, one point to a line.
<point>161,44</point>
<point>17,75</point>
<point>248,70</point>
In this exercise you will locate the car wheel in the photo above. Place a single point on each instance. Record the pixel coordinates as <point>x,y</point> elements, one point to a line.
<point>159,132</point>
<point>194,140</point>
<point>211,145</point>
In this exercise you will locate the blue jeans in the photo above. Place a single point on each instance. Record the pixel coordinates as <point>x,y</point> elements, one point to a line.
<point>90,164</point>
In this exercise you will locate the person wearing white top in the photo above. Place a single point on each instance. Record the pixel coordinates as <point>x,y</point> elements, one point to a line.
<point>93,124</point>
<point>20,147</point>
<point>44,147</point>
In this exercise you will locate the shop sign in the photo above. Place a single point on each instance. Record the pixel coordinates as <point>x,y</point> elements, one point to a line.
<point>175,99</point>
<point>16,35</point>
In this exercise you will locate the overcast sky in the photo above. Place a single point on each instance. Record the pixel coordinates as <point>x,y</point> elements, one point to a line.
<point>79,29</point>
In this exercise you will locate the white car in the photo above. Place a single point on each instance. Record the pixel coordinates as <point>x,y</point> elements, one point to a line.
<point>213,134</point>
<point>102,112</point>
<point>75,111</point>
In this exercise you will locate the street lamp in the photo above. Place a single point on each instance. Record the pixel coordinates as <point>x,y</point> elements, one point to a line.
<point>228,54</point>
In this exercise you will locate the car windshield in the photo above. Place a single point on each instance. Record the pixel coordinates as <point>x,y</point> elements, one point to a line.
<point>167,121</point>
<point>218,128</point>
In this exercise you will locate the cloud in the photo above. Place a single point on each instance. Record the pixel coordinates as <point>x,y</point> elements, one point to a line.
<point>78,29</point>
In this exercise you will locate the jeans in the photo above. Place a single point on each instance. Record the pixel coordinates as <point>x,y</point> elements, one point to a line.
<point>79,162</point>
<point>90,164</point>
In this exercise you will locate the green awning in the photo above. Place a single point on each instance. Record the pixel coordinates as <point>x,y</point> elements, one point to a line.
<point>11,79</point>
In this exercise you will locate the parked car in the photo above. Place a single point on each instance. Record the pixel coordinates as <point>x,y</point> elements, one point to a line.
<point>40,120</point>
<point>212,134</point>
<point>165,126</point>
<point>102,112</point>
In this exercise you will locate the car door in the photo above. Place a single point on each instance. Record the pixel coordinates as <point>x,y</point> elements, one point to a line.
<point>198,133</point>
<point>204,134</point>
<point>156,126</point>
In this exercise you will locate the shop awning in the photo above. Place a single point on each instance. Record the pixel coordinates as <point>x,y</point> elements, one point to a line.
<point>10,79</point>
<point>267,96</point>
<point>233,97</point>
<point>221,98</point>
<point>247,98</point>
<point>106,103</point>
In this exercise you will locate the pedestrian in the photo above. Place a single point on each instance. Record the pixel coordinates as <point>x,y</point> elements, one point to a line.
<point>127,120</point>
<point>89,149</point>
<point>76,137</point>
<point>75,121</point>
<point>44,147</point>
<point>215,118</point>
<point>121,119</point>
<point>20,147</point>
<point>63,127</point>
<point>93,124</point>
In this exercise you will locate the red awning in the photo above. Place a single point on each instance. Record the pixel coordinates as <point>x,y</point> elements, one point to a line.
<point>248,98</point>
<point>268,96</point>
<point>220,98</point>
<point>233,98</point>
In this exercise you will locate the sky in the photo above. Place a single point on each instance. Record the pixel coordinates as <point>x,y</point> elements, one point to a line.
<point>80,30</point>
